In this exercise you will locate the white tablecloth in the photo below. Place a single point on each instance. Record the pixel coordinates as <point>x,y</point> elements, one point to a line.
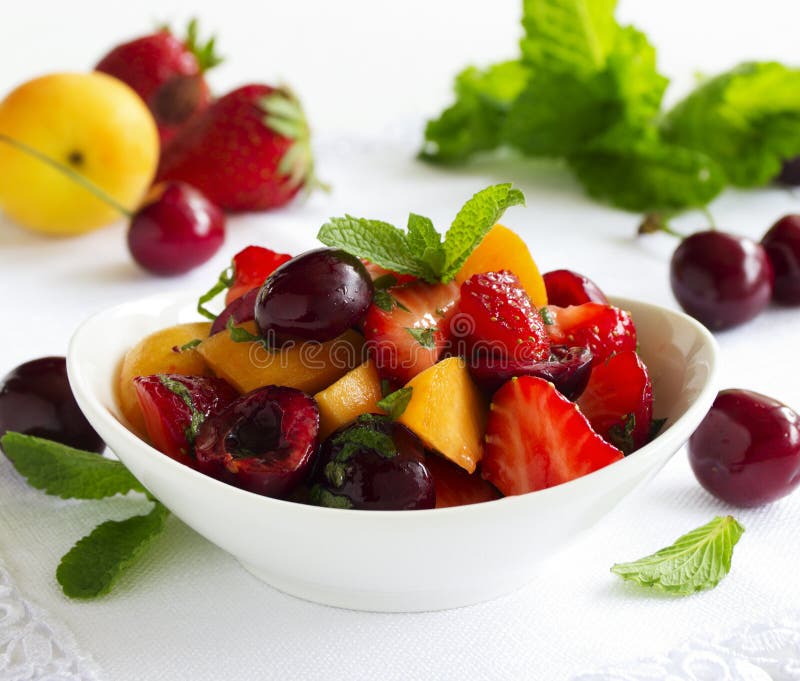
<point>188,611</point>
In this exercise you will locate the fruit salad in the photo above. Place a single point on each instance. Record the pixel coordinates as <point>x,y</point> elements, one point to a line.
<point>396,369</point>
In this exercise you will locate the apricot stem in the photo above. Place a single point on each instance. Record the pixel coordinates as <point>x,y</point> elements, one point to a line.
<point>69,173</point>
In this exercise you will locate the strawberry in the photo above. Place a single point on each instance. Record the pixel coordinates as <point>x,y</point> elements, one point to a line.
<point>454,486</point>
<point>167,73</point>
<point>251,267</point>
<point>495,316</point>
<point>537,438</point>
<point>405,328</point>
<point>618,401</point>
<point>603,329</point>
<point>250,150</point>
<point>174,407</point>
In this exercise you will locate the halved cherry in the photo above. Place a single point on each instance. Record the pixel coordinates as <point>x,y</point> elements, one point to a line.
<point>263,442</point>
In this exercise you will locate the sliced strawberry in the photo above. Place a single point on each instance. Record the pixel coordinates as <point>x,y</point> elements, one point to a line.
<point>174,407</point>
<point>495,316</point>
<point>537,438</point>
<point>406,328</point>
<point>603,329</point>
<point>618,401</point>
<point>251,267</point>
<point>455,487</point>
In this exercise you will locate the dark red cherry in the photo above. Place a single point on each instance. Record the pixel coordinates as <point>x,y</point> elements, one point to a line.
<point>373,464</point>
<point>263,442</point>
<point>782,243</point>
<point>175,230</point>
<point>565,288</point>
<point>36,399</point>
<point>721,279</point>
<point>568,369</point>
<point>747,449</point>
<point>314,296</point>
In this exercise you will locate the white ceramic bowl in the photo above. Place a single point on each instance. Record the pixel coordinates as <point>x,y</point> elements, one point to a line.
<point>392,560</point>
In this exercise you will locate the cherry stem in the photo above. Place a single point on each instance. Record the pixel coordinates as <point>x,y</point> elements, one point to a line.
<point>656,222</point>
<point>711,221</point>
<point>69,173</point>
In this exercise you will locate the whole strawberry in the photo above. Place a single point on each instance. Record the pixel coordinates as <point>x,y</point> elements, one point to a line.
<point>167,73</point>
<point>250,150</point>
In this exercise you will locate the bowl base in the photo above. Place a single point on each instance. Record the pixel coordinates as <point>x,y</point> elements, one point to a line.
<point>382,601</point>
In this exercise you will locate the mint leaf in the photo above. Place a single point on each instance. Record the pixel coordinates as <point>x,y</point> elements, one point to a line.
<point>696,561</point>
<point>182,392</point>
<point>474,220</point>
<point>559,113</point>
<point>747,120</point>
<point>425,337</point>
<point>381,296</point>
<point>647,174</point>
<point>376,241</point>
<point>566,106</point>
<point>191,345</point>
<point>362,435</point>
<point>319,496</point>
<point>573,35</point>
<point>92,566</point>
<point>474,121</point>
<point>67,472</point>
<point>425,244</point>
<point>621,435</point>
<point>420,251</point>
<point>394,404</point>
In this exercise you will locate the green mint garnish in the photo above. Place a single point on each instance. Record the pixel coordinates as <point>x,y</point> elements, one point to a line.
<point>241,335</point>
<point>621,434</point>
<point>224,282</point>
<point>94,564</point>
<point>425,337</point>
<point>420,250</point>
<point>546,316</point>
<point>181,391</point>
<point>696,561</point>
<point>362,436</point>
<point>191,345</point>
<point>394,404</point>
<point>381,296</point>
<point>319,496</point>
<point>67,472</point>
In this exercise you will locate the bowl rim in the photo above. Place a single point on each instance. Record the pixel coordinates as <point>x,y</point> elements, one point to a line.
<point>97,413</point>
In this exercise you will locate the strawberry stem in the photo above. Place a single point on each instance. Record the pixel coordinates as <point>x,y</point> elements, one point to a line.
<point>68,172</point>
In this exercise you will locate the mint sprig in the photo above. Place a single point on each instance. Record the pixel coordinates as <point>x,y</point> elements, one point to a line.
<point>94,564</point>
<point>66,472</point>
<point>696,561</point>
<point>420,250</point>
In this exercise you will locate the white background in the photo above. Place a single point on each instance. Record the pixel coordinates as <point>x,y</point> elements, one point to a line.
<point>369,72</point>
